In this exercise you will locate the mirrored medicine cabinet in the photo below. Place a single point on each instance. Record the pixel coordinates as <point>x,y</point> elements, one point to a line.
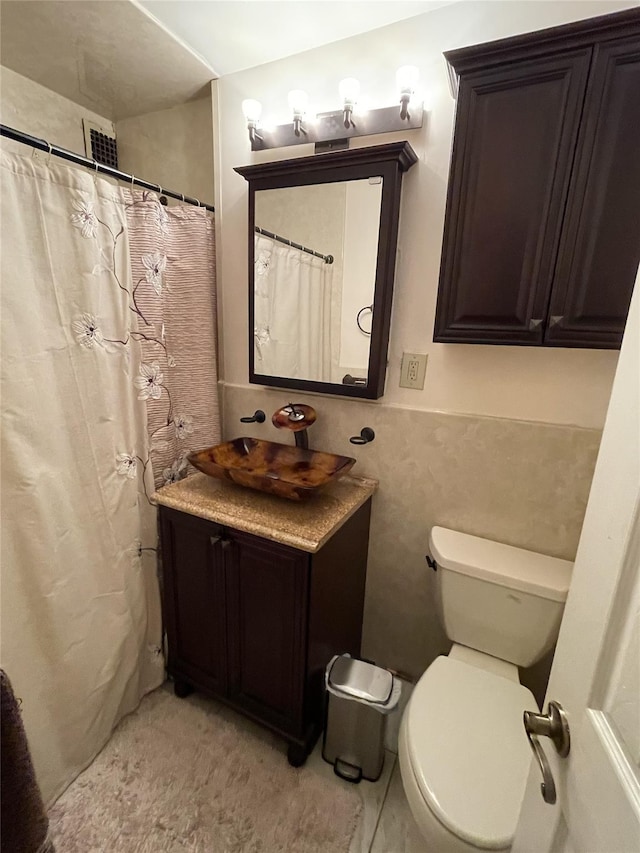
<point>322,245</point>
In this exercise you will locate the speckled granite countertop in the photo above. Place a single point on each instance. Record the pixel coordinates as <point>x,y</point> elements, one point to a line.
<point>306,525</point>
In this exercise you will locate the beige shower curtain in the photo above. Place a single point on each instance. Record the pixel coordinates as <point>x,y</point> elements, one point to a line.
<point>292,310</point>
<point>81,628</point>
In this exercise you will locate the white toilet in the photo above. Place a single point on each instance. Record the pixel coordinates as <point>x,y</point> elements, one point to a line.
<point>464,754</point>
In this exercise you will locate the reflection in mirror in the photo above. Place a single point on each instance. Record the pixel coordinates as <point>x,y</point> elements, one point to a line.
<point>316,249</point>
<point>322,244</point>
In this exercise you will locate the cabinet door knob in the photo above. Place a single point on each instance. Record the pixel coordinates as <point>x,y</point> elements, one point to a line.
<point>225,543</point>
<point>556,319</point>
<point>534,324</point>
<point>214,539</point>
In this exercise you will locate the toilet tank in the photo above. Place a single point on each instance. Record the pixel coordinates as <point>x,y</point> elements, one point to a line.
<point>498,599</point>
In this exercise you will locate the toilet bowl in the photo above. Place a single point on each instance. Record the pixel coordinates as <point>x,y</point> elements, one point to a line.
<point>464,756</point>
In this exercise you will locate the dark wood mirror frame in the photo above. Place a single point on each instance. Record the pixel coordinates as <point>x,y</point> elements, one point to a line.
<point>389,161</point>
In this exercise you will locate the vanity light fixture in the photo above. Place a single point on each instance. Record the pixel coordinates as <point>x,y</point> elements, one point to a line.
<point>332,130</point>
<point>298,101</point>
<point>252,111</point>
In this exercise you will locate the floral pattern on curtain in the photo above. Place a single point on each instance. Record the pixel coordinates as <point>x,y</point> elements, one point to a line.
<point>81,626</point>
<point>173,270</point>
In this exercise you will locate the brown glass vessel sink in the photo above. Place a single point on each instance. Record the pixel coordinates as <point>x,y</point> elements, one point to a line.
<point>280,469</point>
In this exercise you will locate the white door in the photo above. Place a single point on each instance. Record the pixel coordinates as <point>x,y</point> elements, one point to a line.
<point>596,670</point>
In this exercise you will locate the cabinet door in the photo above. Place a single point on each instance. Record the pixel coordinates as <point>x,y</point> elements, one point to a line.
<point>267,588</point>
<point>193,599</point>
<point>515,137</point>
<point>600,248</point>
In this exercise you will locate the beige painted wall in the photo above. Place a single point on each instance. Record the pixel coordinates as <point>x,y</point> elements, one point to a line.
<point>173,148</point>
<point>28,106</point>
<point>539,384</point>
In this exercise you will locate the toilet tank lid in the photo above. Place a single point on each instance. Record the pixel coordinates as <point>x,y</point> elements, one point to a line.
<point>524,571</point>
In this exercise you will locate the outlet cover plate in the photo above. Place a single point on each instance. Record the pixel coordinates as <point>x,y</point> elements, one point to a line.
<point>413,370</point>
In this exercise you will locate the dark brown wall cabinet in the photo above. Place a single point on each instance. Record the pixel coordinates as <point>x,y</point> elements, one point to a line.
<point>254,623</point>
<point>541,241</point>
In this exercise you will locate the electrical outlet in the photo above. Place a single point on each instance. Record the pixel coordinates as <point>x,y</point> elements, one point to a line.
<point>412,372</point>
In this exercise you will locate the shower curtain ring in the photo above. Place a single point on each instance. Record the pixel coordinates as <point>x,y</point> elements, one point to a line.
<point>199,205</point>
<point>50,147</point>
<point>133,178</point>
<point>182,196</point>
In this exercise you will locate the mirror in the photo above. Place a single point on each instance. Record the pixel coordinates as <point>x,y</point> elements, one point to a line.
<point>315,251</point>
<point>322,241</point>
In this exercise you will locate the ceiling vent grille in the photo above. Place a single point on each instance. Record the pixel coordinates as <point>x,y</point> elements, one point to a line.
<point>100,144</point>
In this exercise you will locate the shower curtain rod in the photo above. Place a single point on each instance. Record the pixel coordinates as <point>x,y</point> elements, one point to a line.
<point>64,154</point>
<point>328,259</point>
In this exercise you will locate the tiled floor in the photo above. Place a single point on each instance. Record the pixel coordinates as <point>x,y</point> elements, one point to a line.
<point>386,824</point>
<point>396,831</point>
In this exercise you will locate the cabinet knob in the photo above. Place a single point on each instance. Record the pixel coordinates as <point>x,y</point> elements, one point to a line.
<point>214,539</point>
<point>556,319</point>
<point>225,543</point>
<point>535,324</point>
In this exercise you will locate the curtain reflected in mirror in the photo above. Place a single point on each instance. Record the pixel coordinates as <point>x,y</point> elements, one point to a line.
<point>316,249</point>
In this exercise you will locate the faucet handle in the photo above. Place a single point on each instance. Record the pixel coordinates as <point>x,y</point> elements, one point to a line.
<point>366,435</point>
<point>294,416</point>
<point>258,417</point>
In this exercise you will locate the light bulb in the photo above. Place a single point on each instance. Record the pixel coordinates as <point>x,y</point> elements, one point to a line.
<point>406,79</point>
<point>349,89</point>
<point>298,101</point>
<point>251,109</point>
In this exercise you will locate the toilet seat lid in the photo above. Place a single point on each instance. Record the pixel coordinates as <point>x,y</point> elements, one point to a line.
<point>468,749</point>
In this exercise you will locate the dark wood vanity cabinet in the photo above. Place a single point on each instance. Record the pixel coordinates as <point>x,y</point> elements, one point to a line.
<point>253,622</point>
<point>541,241</point>
<point>267,597</point>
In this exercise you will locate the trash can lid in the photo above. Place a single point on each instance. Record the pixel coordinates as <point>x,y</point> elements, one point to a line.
<point>361,679</point>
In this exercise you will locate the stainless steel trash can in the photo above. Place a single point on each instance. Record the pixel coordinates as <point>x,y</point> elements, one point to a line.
<point>359,697</point>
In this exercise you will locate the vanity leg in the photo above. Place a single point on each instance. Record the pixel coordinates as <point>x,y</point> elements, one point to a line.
<point>297,755</point>
<point>297,752</point>
<point>181,689</point>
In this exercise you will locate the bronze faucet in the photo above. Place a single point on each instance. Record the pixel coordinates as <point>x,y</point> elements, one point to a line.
<point>296,417</point>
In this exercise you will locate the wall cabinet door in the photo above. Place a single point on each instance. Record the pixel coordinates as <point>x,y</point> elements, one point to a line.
<point>267,587</point>
<point>516,130</point>
<point>600,248</point>
<point>194,600</point>
<point>541,242</point>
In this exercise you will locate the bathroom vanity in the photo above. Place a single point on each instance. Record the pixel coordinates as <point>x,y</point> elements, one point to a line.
<point>259,593</point>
